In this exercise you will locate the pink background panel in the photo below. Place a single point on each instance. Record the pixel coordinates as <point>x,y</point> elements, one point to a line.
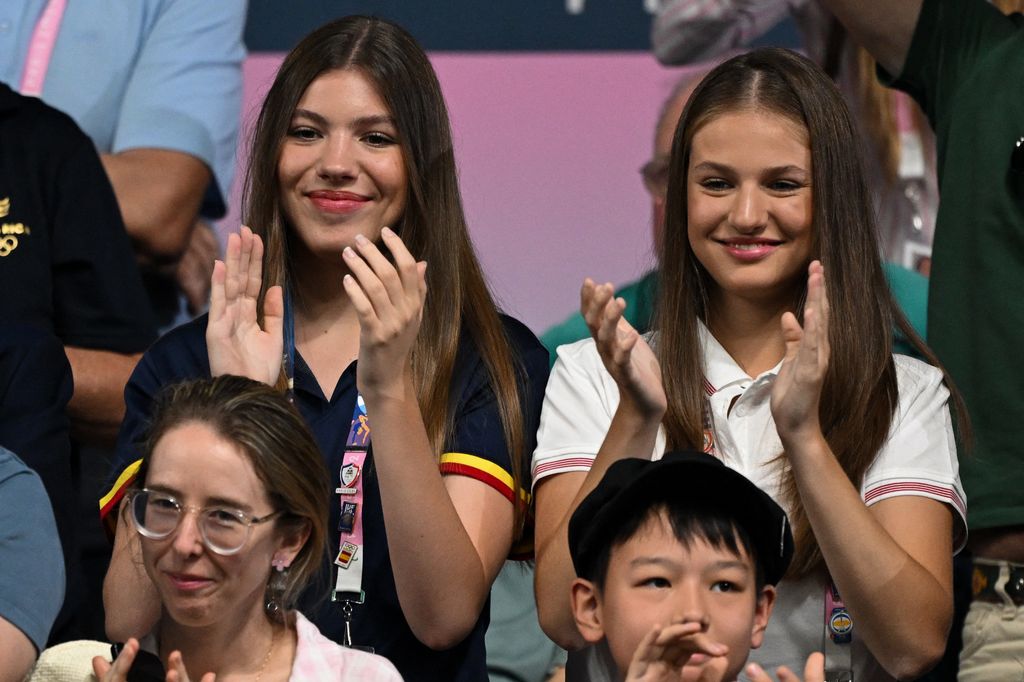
<point>548,148</point>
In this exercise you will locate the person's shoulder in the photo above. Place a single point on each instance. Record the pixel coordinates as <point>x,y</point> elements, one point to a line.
<point>915,376</point>
<point>32,119</point>
<point>181,351</point>
<point>525,345</point>
<point>11,466</point>
<point>520,337</point>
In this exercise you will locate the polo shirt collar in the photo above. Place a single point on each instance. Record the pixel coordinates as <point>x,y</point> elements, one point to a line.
<point>720,370</point>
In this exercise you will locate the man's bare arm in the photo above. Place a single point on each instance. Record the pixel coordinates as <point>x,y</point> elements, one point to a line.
<point>97,404</point>
<point>884,27</point>
<point>17,653</point>
<point>159,192</point>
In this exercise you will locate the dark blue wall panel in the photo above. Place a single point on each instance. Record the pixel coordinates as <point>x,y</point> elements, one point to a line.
<point>475,26</point>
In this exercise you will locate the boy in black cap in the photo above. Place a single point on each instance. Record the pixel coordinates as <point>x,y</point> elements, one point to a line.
<point>677,561</point>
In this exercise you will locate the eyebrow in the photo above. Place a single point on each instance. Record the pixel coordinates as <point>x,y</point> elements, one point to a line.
<point>210,502</point>
<point>725,170</point>
<point>374,119</point>
<point>669,563</point>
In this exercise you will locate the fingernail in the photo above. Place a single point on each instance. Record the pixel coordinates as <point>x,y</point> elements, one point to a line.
<point>387,232</point>
<point>360,239</point>
<point>347,278</point>
<point>348,252</point>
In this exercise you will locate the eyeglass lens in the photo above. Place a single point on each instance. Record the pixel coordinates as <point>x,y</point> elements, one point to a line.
<point>158,515</point>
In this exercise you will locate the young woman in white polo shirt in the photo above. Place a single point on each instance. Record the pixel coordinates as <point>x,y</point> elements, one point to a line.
<point>772,348</point>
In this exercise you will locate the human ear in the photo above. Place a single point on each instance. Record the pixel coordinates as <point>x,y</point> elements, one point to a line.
<point>586,610</point>
<point>762,612</point>
<point>292,538</point>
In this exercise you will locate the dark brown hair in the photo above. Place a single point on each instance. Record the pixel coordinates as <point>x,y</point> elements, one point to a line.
<point>275,438</point>
<point>860,392</point>
<point>433,226</point>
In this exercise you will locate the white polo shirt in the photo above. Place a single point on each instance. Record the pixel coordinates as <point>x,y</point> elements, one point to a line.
<point>918,458</point>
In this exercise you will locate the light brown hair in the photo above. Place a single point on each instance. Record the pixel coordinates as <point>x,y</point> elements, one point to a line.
<point>433,226</point>
<point>860,393</point>
<point>275,438</point>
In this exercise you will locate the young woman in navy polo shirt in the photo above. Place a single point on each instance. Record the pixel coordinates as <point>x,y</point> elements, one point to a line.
<point>359,258</point>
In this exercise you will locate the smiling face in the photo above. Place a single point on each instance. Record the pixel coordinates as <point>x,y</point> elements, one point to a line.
<point>654,579</point>
<point>199,468</point>
<point>749,205</point>
<point>341,170</point>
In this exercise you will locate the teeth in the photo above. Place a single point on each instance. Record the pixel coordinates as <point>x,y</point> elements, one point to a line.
<point>748,247</point>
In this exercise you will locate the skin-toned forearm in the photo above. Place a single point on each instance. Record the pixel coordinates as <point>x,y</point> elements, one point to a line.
<point>130,601</point>
<point>884,27</point>
<point>419,514</point>
<point>17,653</point>
<point>97,405</point>
<point>902,606</point>
<point>159,192</point>
<point>629,435</point>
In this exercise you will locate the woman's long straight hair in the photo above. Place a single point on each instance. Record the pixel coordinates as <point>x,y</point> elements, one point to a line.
<point>859,395</point>
<point>433,225</point>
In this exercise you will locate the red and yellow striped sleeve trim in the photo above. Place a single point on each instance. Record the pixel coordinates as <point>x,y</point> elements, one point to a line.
<point>483,470</point>
<point>486,471</point>
<point>110,501</point>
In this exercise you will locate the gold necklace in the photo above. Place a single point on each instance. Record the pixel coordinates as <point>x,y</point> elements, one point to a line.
<point>266,659</point>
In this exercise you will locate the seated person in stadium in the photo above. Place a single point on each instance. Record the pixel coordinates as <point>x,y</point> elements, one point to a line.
<point>31,568</point>
<point>229,514</point>
<point>677,562</point>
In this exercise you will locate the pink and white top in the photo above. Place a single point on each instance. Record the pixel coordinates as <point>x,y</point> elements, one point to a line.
<point>318,658</point>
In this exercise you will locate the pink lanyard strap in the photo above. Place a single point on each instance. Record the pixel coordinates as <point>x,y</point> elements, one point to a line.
<point>44,37</point>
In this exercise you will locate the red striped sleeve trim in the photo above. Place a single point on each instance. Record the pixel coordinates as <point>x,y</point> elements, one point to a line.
<point>709,388</point>
<point>946,493</point>
<point>564,463</point>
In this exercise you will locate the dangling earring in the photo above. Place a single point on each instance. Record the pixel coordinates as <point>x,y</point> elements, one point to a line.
<point>275,589</point>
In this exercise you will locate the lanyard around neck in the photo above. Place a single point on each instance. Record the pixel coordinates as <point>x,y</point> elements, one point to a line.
<point>348,584</point>
<point>40,49</point>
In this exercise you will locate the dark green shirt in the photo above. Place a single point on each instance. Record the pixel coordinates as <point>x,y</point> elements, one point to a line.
<point>965,67</point>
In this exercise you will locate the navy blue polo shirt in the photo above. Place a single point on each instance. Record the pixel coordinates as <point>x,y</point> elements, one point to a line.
<point>477,448</point>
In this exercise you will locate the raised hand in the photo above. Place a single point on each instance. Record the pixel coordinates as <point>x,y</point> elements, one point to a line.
<point>664,651</point>
<point>814,671</point>
<point>626,356</point>
<point>797,389</point>
<point>388,300</point>
<point>234,339</point>
<point>118,670</point>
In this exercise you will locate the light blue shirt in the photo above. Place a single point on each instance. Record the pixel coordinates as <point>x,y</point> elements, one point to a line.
<point>165,74</point>
<point>31,562</point>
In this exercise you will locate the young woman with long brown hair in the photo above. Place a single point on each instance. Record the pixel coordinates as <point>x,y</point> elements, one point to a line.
<point>786,379</point>
<point>352,188</point>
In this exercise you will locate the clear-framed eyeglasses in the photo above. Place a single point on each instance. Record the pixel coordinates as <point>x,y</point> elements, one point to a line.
<point>224,530</point>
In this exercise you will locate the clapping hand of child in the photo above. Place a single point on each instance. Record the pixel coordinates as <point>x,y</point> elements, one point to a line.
<point>664,651</point>
<point>814,671</point>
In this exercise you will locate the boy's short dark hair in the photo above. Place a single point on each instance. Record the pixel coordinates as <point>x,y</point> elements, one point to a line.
<point>702,499</point>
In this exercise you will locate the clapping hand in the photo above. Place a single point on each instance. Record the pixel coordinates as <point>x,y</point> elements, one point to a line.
<point>234,339</point>
<point>388,299</point>
<point>118,670</point>
<point>664,651</point>
<point>797,390</point>
<point>814,671</point>
<point>626,355</point>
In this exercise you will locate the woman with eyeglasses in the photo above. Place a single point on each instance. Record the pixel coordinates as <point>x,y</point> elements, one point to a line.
<point>228,516</point>
<point>423,398</point>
